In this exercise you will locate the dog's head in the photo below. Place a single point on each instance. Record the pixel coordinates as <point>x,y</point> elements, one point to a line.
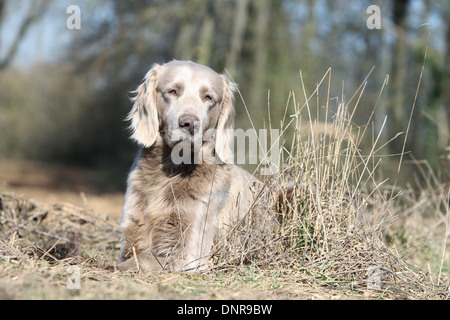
<point>184,102</point>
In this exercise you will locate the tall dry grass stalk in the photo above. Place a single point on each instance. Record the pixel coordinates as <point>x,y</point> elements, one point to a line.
<point>332,211</point>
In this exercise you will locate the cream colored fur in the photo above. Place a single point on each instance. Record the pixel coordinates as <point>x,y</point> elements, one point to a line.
<point>173,213</point>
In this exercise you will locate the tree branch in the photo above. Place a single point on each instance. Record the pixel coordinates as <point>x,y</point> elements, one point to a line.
<point>36,11</point>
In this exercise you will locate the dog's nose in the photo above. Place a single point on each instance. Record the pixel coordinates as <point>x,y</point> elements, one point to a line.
<point>189,122</point>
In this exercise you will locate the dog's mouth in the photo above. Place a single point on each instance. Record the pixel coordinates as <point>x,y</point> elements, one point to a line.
<point>177,136</point>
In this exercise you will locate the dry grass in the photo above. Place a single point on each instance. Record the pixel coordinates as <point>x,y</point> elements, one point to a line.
<point>338,223</point>
<point>342,234</point>
<point>39,244</point>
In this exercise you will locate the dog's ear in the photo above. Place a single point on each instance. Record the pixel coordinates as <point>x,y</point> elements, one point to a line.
<point>144,115</point>
<point>224,134</point>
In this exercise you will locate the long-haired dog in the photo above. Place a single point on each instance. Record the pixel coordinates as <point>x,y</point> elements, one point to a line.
<point>182,192</point>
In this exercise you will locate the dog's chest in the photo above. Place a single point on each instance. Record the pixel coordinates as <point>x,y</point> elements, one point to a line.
<point>207,186</point>
<point>184,188</point>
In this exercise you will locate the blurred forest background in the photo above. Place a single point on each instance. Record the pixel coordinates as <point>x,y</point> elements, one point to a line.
<point>64,94</point>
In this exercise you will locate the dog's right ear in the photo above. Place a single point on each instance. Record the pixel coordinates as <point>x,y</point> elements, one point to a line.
<point>144,115</point>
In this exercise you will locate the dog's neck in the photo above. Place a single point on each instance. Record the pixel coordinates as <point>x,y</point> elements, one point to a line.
<point>159,157</point>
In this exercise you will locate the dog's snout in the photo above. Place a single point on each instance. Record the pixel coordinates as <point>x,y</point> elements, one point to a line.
<point>189,122</point>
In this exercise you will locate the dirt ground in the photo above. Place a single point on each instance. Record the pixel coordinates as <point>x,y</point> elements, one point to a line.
<point>49,184</point>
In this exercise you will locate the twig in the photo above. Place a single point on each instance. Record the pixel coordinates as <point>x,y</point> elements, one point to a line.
<point>136,259</point>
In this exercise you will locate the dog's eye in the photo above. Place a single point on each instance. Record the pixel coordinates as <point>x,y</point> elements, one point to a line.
<point>173,92</point>
<point>209,98</point>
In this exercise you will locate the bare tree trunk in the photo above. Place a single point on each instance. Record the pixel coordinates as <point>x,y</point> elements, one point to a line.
<point>259,94</point>
<point>183,43</point>
<point>307,36</point>
<point>398,106</point>
<point>206,40</point>
<point>241,17</point>
<point>2,6</point>
<point>444,119</point>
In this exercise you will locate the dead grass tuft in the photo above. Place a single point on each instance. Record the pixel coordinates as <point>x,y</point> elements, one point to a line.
<point>333,222</point>
<point>53,233</point>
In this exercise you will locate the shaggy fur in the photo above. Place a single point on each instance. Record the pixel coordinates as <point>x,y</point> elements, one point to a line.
<point>174,212</point>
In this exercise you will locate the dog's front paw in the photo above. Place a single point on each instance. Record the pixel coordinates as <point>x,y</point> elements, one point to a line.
<point>143,262</point>
<point>128,265</point>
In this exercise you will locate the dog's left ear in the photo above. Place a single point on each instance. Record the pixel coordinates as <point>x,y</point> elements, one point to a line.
<point>144,115</point>
<point>225,136</point>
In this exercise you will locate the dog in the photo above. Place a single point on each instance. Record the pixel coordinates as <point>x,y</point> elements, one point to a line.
<point>183,191</point>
